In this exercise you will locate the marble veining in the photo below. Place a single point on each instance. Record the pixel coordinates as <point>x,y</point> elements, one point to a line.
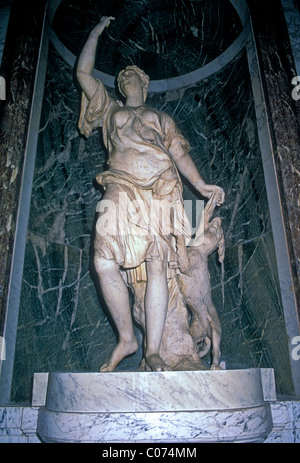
<point>65,329</point>
<point>19,424</point>
<point>215,406</point>
<point>145,391</point>
<point>293,22</point>
<point>158,427</point>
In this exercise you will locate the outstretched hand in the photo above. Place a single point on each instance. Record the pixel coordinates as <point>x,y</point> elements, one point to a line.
<point>105,22</point>
<point>208,190</point>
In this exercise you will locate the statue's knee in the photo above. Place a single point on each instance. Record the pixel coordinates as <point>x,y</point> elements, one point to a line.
<point>102,265</point>
<point>156,268</point>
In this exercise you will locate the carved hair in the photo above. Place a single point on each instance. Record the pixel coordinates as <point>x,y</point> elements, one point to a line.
<point>143,76</point>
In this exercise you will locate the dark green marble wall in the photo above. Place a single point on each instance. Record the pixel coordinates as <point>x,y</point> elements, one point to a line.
<point>62,322</point>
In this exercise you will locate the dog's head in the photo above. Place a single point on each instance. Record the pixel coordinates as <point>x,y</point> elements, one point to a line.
<point>212,239</point>
<point>213,234</point>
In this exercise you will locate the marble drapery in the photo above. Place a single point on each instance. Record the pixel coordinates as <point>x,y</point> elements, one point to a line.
<point>59,271</point>
<point>246,292</point>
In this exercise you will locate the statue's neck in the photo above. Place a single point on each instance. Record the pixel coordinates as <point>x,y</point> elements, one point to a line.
<point>134,102</point>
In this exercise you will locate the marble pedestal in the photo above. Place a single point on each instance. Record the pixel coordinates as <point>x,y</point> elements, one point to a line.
<point>185,406</point>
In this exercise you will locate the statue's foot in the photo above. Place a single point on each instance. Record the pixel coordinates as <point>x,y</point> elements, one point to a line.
<point>155,363</point>
<point>216,367</point>
<point>122,349</point>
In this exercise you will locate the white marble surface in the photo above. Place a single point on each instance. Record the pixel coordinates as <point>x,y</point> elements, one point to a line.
<point>19,424</point>
<point>194,406</point>
<point>268,384</point>
<point>153,391</point>
<point>286,423</point>
<point>39,389</point>
<point>245,425</point>
<point>40,383</point>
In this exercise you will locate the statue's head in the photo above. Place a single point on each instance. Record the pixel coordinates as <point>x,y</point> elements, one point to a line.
<point>142,75</point>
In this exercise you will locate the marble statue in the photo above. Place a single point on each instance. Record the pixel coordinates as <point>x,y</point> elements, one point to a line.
<point>186,341</point>
<point>196,289</point>
<point>134,244</point>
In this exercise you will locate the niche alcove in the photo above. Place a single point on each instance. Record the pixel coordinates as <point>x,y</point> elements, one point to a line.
<point>201,60</point>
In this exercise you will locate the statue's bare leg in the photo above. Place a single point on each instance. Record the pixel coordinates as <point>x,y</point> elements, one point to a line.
<point>216,332</point>
<point>116,296</point>
<point>156,304</point>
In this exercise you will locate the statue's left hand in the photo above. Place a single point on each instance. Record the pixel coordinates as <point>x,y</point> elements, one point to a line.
<point>207,190</point>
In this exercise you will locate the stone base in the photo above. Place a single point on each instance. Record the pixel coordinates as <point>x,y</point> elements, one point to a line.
<point>187,406</point>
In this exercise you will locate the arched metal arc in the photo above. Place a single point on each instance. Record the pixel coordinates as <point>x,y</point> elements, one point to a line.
<point>163,85</point>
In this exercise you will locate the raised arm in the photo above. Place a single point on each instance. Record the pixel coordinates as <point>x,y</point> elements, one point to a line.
<point>86,60</point>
